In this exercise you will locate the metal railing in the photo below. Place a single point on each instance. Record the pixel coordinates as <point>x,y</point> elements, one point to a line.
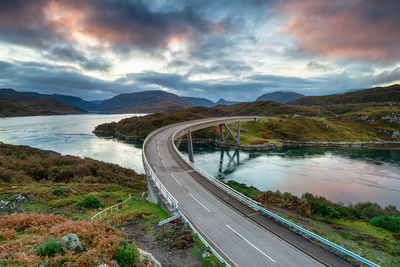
<point>110,209</point>
<point>202,239</point>
<point>317,237</point>
<point>150,173</point>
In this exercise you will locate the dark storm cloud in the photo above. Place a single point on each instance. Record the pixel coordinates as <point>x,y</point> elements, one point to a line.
<point>69,54</point>
<point>122,24</point>
<point>44,78</point>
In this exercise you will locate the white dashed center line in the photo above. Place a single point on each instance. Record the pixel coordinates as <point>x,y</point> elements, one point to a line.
<point>239,235</point>
<point>176,179</point>
<point>200,203</point>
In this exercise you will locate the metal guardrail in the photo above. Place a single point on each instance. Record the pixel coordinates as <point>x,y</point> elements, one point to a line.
<point>317,237</point>
<point>255,205</point>
<point>168,196</point>
<point>110,209</point>
<point>221,259</point>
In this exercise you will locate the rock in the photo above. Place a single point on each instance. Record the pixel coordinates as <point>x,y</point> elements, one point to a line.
<point>396,134</point>
<point>206,254</point>
<point>102,265</point>
<point>295,116</point>
<point>17,197</point>
<point>42,265</point>
<point>71,242</point>
<point>147,260</point>
<point>13,187</point>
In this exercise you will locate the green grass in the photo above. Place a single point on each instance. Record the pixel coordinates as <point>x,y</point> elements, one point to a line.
<point>301,128</point>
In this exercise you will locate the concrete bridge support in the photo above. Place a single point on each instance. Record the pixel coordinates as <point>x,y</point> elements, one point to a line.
<point>190,146</point>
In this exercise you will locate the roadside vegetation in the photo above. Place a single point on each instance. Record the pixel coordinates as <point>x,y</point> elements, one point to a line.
<point>365,228</point>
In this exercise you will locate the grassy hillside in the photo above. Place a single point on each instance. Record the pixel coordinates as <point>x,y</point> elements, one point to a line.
<point>11,106</point>
<point>377,94</point>
<point>140,127</point>
<point>23,164</point>
<point>303,128</point>
<point>343,122</point>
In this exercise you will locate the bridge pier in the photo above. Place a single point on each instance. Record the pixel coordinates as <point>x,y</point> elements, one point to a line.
<point>151,194</point>
<point>230,133</point>
<point>190,146</point>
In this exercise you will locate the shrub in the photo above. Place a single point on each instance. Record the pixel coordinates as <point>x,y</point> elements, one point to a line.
<point>370,210</point>
<point>390,223</point>
<point>119,200</point>
<point>90,202</point>
<point>126,255</point>
<point>49,247</point>
<point>58,191</point>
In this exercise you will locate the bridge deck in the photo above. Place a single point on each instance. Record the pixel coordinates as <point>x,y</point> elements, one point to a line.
<point>241,235</point>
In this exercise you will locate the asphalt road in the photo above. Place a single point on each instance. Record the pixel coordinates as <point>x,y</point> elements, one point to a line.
<point>241,235</point>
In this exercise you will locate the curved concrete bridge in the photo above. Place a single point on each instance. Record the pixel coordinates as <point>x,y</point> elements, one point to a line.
<point>240,234</point>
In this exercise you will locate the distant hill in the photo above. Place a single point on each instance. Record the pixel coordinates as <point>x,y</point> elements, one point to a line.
<point>281,96</point>
<point>145,101</point>
<point>222,101</point>
<point>197,101</point>
<point>13,103</point>
<point>377,94</point>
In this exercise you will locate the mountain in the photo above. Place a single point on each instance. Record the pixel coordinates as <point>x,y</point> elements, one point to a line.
<point>13,103</point>
<point>197,101</point>
<point>281,96</point>
<point>145,101</point>
<point>377,94</point>
<point>222,101</point>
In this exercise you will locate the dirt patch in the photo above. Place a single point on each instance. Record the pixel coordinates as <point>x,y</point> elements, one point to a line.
<point>174,247</point>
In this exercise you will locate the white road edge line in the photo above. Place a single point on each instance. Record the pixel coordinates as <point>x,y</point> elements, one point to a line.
<point>200,203</point>
<point>249,243</point>
<point>176,179</point>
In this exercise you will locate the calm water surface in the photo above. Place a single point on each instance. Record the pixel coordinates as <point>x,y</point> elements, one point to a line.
<point>341,175</point>
<point>72,135</point>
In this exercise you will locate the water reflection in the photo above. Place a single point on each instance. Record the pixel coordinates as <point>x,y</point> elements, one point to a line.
<point>342,175</point>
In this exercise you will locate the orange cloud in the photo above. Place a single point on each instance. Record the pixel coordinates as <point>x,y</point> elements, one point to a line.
<point>366,29</point>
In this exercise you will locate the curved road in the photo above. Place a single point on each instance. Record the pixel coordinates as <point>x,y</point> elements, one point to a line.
<point>241,235</point>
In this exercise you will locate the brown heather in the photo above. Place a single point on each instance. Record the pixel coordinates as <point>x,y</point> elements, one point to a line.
<point>21,233</point>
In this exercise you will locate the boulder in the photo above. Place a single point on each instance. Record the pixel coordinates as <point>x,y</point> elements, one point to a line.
<point>71,242</point>
<point>146,260</point>
<point>396,134</point>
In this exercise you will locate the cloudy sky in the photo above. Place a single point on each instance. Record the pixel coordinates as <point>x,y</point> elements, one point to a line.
<point>232,49</point>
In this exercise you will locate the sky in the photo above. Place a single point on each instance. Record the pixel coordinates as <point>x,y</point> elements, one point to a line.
<point>231,49</point>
